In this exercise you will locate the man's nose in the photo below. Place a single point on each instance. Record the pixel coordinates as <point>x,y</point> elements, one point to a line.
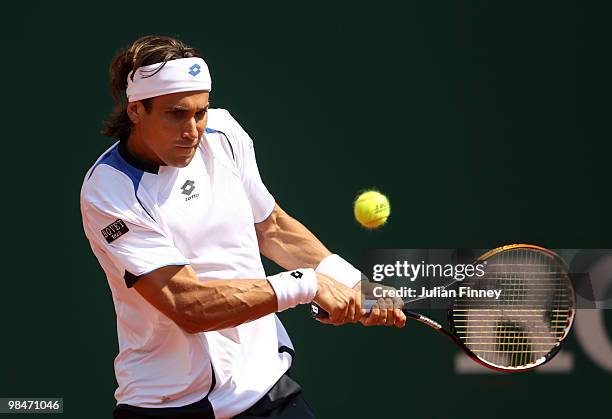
<point>190,130</point>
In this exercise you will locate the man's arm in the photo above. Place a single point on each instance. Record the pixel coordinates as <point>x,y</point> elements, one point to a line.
<point>200,306</point>
<point>290,244</point>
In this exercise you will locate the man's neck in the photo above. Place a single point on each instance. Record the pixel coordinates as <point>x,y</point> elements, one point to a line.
<point>136,155</point>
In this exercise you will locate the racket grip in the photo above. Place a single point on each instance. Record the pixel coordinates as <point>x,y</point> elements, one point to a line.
<point>318,313</point>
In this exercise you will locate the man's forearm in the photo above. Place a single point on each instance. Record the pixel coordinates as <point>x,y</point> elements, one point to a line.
<point>199,306</point>
<point>221,304</point>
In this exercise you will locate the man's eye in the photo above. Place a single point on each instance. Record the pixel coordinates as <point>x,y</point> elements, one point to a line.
<point>178,114</point>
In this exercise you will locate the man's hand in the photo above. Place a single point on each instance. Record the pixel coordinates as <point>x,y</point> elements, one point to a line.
<point>342,303</point>
<point>385,312</point>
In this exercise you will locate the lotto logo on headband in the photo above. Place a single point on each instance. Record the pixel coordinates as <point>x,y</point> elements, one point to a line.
<point>195,69</point>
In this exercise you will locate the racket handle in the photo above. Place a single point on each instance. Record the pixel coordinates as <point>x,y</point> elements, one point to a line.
<point>318,313</point>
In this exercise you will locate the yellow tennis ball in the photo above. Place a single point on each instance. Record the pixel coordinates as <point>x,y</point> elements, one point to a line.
<point>371,209</point>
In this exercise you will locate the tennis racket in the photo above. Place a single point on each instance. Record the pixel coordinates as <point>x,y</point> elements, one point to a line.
<point>522,329</point>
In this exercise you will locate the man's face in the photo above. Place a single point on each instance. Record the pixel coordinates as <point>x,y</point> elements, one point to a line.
<point>169,133</point>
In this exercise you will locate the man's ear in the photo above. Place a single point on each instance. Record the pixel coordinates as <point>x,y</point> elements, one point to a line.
<point>135,110</point>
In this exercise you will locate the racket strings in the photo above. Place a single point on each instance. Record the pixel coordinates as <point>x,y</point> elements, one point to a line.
<point>528,320</point>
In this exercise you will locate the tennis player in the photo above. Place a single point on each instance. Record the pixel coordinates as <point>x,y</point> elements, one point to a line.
<point>177,215</point>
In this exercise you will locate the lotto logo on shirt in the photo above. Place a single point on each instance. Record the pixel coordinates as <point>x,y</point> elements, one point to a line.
<point>114,230</point>
<point>187,188</point>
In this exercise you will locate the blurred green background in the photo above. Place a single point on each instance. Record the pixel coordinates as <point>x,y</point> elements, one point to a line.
<point>485,122</point>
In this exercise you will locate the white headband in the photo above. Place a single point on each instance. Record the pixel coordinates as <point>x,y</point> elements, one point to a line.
<point>182,75</point>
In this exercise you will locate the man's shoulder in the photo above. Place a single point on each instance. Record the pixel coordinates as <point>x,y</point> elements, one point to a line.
<point>110,180</point>
<point>220,120</point>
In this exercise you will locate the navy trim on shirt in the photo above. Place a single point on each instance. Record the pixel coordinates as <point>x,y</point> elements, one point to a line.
<point>118,158</point>
<point>288,350</point>
<point>212,130</point>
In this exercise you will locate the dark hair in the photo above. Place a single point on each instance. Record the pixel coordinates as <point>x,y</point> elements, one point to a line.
<point>150,49</point>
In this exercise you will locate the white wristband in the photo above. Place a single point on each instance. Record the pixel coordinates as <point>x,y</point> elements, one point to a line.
<point>294,287</point>
<point>340,270</point>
